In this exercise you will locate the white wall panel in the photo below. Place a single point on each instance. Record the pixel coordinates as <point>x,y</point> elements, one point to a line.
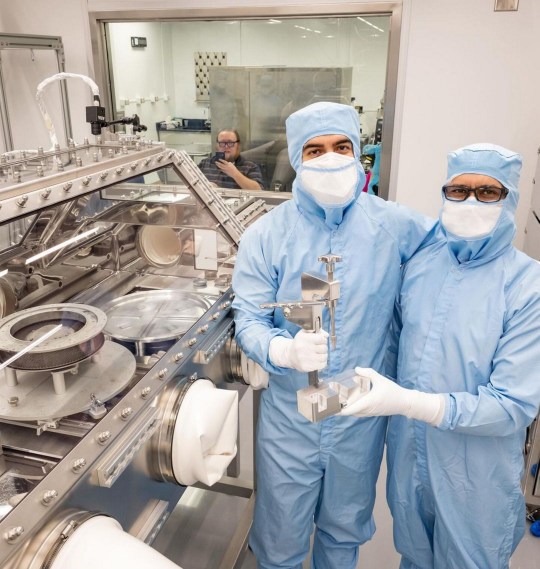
<point>65,18</point>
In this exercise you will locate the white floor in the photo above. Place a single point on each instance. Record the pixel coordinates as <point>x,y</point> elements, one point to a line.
<point>200,528</point>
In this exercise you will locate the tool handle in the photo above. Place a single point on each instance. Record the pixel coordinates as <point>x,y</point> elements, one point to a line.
<point>313,377</point>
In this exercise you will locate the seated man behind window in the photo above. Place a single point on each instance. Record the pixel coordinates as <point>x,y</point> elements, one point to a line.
<point>233,171</point>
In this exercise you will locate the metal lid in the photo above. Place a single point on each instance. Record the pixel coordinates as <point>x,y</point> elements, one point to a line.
<point>153,315</point>
<point>78,337</point>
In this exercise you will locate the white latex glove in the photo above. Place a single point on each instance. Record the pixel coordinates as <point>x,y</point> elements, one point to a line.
<point>307,351</point>
<point>253,373</point>
<point>388,398</point>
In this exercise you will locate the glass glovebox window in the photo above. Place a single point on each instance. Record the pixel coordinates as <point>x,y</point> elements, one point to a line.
<point>122,249</point>
<point>115,297</point>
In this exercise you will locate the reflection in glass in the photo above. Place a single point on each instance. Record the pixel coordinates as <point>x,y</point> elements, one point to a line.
<point>269,68</point>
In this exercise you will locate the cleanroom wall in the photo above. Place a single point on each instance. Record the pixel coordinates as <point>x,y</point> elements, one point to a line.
<point>67,19</point>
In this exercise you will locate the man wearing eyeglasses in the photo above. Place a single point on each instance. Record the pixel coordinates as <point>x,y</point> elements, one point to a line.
<point>467,341</point>
<point>230,169</point>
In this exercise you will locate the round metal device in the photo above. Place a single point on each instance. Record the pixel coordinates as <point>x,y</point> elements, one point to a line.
<point>149,321</point>
<point>170,401</point>
<point>52,537</point>
<point>33,397</point>
<point>80,336</point>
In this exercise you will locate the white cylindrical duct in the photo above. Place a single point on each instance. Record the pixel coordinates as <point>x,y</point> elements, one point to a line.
<point>88,540</point>
<point>163,246</point>
<point>205,434</point>
<point>197,439</point>
<point>160,246</point>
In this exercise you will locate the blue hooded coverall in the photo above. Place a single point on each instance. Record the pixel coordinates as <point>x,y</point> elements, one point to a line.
<point>323,472</point>
<point>470,317</point>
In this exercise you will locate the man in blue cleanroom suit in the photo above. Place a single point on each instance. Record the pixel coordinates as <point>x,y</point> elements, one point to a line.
<point>324,472</point>
<point>468,372</point>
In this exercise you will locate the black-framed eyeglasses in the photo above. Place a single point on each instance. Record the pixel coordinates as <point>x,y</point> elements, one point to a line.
<point>486,194</point>
<point>227,144</point>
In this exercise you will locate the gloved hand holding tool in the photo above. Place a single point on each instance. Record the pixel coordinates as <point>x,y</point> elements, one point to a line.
<point>307,351</point>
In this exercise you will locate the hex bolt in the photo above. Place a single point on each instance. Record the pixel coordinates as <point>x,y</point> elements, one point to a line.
<point>78,464</point>
<point>178,356</point>
<point>21,202</point>
<point>103,437</point>
<point>125,413</point>
<point>162,373</point>
<point>146,392</point>
<point>48,497</point>
<point>13,401</point>
<point>13,534</point>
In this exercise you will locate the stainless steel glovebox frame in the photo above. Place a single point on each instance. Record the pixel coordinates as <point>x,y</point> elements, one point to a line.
<point>108,464</point>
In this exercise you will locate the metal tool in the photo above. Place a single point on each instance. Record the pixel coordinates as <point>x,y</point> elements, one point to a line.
<point>316,294</point>
<point>333,292</point>
<point>319,400</point>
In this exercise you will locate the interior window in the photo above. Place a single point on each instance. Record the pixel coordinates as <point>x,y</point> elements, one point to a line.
<point>189,80</point>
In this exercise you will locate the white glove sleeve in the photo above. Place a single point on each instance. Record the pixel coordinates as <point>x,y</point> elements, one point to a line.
<point>307,351</point>
<point>253,373</point>
<point>388,398</point>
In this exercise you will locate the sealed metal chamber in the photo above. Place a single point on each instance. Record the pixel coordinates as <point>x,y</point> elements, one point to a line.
<point>115,270</point>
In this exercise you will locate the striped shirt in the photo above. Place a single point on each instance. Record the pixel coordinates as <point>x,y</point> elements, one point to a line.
<point>216,176</point>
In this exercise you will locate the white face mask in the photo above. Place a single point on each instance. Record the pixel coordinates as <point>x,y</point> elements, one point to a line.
<point>331,178</point>
<point>470,219</point>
